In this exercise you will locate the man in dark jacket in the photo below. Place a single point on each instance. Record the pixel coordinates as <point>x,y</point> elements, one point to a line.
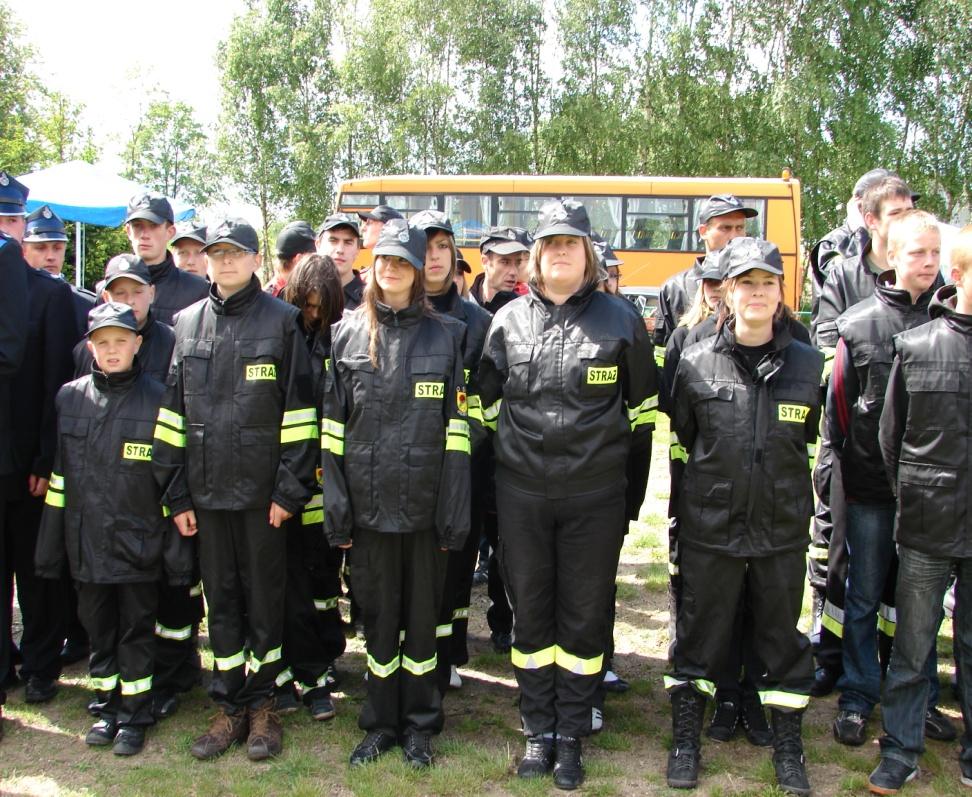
<point>925,436</point>
<point>501,249</point>
<point>339,239</point>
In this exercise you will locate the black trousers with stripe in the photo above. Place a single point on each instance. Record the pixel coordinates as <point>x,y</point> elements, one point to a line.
<point>177,664</point>
<point>399,580</point>
<point>120,621</point>
<point>244,569</point>
<point>560,559</point>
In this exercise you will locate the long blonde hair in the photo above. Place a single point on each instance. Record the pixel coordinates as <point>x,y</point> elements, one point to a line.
<point>369,301</point>
<point>727,311</point>
<point>533,267</point>
<point>699,311</point>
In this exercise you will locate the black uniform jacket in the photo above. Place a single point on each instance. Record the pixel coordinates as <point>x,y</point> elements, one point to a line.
<point>746,490</point>
<point>174,289</point>
<point>83,301</point>
<point>926,431</point>
<point>838,244</point>
<point>395,438</point>
<point>500,298</point>
<point>674,300</point>
<point>103,513</point>
<point>570,391</point>
<point>13,337</point>
<point>238,428</point>
<point>155,353</point>
<point>353,292</point>
<point>51,334</point>
<point>859,380</point>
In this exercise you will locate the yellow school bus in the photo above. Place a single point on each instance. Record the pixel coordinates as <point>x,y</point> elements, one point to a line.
<point>650,222</point>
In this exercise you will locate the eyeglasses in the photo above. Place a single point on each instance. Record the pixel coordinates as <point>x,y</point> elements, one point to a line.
<point>226,254</point>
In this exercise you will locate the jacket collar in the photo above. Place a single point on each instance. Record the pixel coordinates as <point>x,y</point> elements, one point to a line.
<point>355,288</point>
<point>896,297</point>
<point>582,297</point>
<point>161,271</point>
<point>943,305</point>
<point>238,302</point>
<point>406,317</point>
<point>446,302</point>
<point>115,383</point>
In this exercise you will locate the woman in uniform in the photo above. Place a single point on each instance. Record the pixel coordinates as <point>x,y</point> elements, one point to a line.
<point>568,383</point>
<point>395,458</point>
<point>745,406</point>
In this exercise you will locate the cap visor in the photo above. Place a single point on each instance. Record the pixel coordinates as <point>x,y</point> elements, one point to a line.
<point>148,215</point>
<point>124,275</point>
<point>105,324</point>
<point>742,269</point>
<point>196,238</point>
<point>560,229</point>
<point>399,251</point>
<point>504,247</point>
<point>237,244</point>
<point>7,209</point>
<point>325,227</point>
<point>41,237</point>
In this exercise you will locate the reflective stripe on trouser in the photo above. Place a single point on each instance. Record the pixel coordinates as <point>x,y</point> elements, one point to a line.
<point>326,588</point>
<point>120,621</point>
<point>559,560</point>
<point>712,585</point>
<point>244,575</point>
<point>177,664</point>
<point>398,581</point>
<point>829,529</point>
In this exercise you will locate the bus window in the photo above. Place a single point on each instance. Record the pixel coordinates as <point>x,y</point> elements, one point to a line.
<point>359,200</point>
<point>657,223</point>
<point>469,214</point>
<point>605,216</point>
<point>520,211</point>
<point>410,204</point>
<point>755,227</point>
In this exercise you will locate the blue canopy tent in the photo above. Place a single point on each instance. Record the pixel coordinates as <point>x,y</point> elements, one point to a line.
<point>86,194</point>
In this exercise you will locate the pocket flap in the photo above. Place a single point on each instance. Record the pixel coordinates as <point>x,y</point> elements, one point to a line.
<point>704,391</point>
<point>358,364</point>
<point>713,489</point>
<point>197,348</point>
<point>931,380</point>
<point>927,475</point>
<point>517,355</point>
<point>264,347</point>
<point>430,364</point>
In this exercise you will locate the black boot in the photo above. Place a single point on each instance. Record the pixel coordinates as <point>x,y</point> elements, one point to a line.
<point>791,772</point>
<point>568,766</point>
<point>688,710</point>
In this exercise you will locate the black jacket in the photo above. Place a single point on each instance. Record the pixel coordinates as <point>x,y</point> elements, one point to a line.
<point>395,439</point>
<point>570,390</point>
<point>353,292</point>
<point>13,338</point>
<point>746,490</point>
<point>103,514</point>
<point>838,244</point>
<point>83,301</point>
<point>674,300</point>
<point>848,282</point>
<point>174,289</point>
<point>859,380</point>
<point>926,432</point>
<point>51,334</point>
<point>155,354</point>
<point>238,428</point>
<point>500,299</point>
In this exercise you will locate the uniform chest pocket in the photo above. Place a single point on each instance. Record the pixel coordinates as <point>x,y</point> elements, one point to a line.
<point>933,397</point>
<point>360,373</point>
<point>259,364</point>
<point>196,357</point>
<point>598,372</point>
<point>715,409</point>
<point>429,376</point>
<point>134,443</point>
<point>74,442</point>
<point>519,361</point>
<point>792,405</point>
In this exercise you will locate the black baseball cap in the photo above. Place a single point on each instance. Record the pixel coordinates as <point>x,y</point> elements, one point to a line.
<point>427,220</point>
<point>13,196</point>
<point>336,220</point>
<point>722,204</point>
<point>462,265</point>
<point>381,213</point>
<point>151,206</point>
<point>868,179</point>
<point>563,217</point>
<point>743,254</point>
<point>112,314</point>
<point>44,225</point>
<point>191,233</point>
<point>127,266</point>
<point>604,251</point>
<point>297,238</point>
<point>400,239</point>
<point>504,240</point>
<point>236,232</point>
<point>713,267</point>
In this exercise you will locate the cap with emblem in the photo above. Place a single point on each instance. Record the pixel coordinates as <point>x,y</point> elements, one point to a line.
<point>297,238</point>
<point>13,196</point>
<point>336,220</point>
<point>112,314</point>
<point>713,266</point>
<point>381,213</point>
<point>44,225</point>
<point>151,206</point>
<point>721,205</point>
<point>504,240</point>
<point>563,217</point>
<point>744,254</point>
<point>430,220</point>
<point>127,266</point>
<point>401,240</point>
<point>604,251</point>
<point>190,232</point>
<point>236,232</point>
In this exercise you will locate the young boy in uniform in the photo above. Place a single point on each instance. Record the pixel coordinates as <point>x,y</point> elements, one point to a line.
<point>103,518</point>
<point>235,452</point>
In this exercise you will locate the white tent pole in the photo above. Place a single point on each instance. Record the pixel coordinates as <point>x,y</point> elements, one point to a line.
<point>78,254</point>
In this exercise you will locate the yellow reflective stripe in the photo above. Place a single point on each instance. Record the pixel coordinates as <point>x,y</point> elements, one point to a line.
<point>660,356</point>
<point>677,452</point>
<point>322,681</point>
<point>443,630</point>
<point>644,413</point>
<point>57,481</point>
<point>833,619</point>
<point>535,660</point>
<point>474,407</point>
<point>779,699</point>
<point>458,426</point>
<point>106,684</point>
<point>829,354</point>
<point>312,517</point>
<point>166,512</point>
<point>196,591</point>
<point>256,663</point>
<point>299,417</point>
<point>138,687</point>
<point>887,619</point>
<point>578,665</point>
<point>819,553</point>
<point>491,413</point>
<point>166,435</point>
<point>456,442</point>
<point>383,670</point>
<point>707,688</point>
<point>332,428</point>
<point>226,663</point>
<point>326,604</point>
<point>295,434</point>
<point>54,498</point>
<point>316,502</point>
<point>286,676</point>
<point>332,437</point>
<point>461,614</point>
<point>178,634</point>
<point>418,667</point>
<point>173,419</point>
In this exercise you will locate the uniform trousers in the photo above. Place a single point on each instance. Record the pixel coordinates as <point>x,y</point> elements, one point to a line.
<point>244,569</point>
<point>177,664</point>
<point>559,559</point>
<point>399,580</point>
<point>120,621</point>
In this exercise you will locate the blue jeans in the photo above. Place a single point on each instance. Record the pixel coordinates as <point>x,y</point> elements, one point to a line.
<point>871,556</point>
<point>922,582</point>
